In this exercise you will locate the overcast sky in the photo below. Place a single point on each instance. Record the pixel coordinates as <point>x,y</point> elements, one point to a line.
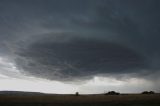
<point>90,46</point>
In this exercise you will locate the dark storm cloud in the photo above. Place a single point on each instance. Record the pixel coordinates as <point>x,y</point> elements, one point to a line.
<point>79,58</point>
<point>58,39</point>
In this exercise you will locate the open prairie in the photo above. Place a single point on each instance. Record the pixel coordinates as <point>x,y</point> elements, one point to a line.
<point>82,100</point>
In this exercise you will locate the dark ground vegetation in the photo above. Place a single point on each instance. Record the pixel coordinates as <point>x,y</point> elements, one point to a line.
<point>82,100</point>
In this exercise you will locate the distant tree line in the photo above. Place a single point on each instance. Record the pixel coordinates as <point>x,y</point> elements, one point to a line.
<point>117,93</point>
<point>112,93</point>
<point>148,92</point>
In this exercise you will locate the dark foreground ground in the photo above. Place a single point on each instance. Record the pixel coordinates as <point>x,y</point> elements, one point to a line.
<point>82,100</point>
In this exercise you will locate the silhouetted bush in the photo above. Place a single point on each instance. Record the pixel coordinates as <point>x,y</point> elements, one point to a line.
<point>112,93</point>
<point>148,92</point>
<point>77,94</point>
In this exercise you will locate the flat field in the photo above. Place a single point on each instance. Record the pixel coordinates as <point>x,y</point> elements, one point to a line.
<point>82,100</point>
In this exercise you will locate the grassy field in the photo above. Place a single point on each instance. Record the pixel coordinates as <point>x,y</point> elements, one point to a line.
<point>82,100</point>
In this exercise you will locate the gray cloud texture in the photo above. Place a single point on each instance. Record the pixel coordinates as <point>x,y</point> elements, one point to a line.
<point>74,39</point>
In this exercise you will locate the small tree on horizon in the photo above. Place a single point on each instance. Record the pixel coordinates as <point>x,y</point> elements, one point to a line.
<point>112,93</point>
<point>77,93</point>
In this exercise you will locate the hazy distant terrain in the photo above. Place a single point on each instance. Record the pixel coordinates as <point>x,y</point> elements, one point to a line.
<point>39,99</point>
